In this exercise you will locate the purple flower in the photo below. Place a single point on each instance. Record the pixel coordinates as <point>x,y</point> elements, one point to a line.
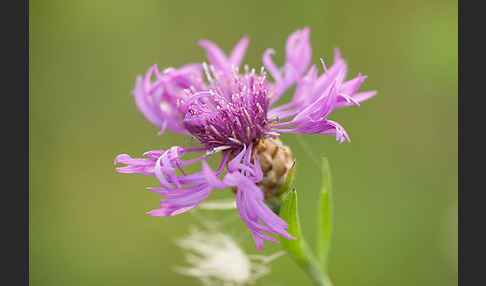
<point>228,112</point>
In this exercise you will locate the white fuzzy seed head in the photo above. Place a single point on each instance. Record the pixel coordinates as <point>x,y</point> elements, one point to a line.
<point>216,257</point>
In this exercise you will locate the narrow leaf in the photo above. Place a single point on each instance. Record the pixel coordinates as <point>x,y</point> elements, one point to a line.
<point>298,248</point>
<point>276,203</point>
<point>324,216</point>
<point>289,213</point>
<point>289,181</point>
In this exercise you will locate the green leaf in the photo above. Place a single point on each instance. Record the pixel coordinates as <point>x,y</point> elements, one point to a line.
<point>289,181</point>
<point>288,212</point>
<point>276,203</point>
<point>324,219</point>
<point>298,248</point>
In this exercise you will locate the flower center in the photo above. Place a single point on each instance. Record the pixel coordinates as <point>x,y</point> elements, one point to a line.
<point>231,112</point>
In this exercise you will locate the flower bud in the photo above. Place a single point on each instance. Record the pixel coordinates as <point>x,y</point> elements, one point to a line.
<point>276,160</point>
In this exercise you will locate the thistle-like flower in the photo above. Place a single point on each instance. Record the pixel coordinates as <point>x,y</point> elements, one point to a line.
<point>232,113</point>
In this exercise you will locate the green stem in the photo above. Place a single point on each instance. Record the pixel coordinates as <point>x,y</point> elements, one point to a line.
<point>312,267</point>
<point>319,277</point>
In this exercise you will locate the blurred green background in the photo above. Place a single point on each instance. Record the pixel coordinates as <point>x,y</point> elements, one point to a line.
<point>395,184</point>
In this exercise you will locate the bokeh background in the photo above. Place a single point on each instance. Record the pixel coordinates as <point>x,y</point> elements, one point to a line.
<point>395,185</point>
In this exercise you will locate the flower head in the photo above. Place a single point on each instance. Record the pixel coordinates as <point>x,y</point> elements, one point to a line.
<point>232,113</point>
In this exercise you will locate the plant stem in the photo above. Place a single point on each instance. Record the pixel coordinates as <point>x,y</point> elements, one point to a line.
<point>312,267</point>
<point>319,277</point>
<point>308,262</point>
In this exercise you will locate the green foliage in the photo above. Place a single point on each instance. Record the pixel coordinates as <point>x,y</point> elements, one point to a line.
<point>289,212</point>
<point>324,215</point>
<point>298,248</point>
<point>289,182</point>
